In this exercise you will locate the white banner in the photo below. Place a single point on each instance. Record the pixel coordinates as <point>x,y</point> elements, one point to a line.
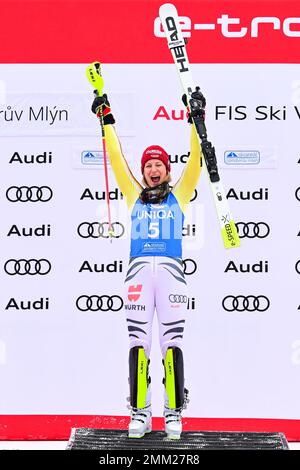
<point>242,335</point>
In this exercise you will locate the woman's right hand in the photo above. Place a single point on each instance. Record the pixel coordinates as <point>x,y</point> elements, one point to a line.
<point>102,105</point>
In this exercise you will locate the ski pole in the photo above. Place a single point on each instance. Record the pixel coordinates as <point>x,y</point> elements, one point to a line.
<point>93,73</point>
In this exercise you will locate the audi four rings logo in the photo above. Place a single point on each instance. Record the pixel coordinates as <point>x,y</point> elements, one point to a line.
<point>297,267</point>
<point>250,303</point>
<point>253,229</point>
<point>29,193</point>
<point>96,302</point>
<point>100,230</point>
<point>27,266</point>
<point>189,266</point>
<point>177,299</point>
<point>297,194</point>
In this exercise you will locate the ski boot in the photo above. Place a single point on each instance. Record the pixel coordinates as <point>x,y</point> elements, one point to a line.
<point>173,424</point>
<point>140,423</point>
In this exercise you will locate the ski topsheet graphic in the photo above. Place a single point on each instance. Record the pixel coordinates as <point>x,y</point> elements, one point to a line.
<point>170,21</point>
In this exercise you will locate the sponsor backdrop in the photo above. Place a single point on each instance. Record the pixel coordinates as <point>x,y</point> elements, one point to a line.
<point>63,336</point>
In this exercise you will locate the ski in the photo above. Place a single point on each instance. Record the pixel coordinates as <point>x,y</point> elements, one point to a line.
<point>170,21</point>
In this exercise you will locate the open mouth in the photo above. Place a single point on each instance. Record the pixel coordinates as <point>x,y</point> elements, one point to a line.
<point>155,179</point>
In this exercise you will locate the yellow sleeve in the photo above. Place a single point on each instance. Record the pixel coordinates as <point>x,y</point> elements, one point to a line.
<point>127,183</point>
<point>185,186</point>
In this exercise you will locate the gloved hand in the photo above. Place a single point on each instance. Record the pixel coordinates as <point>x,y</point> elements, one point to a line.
<point>197,103</point>
<point>102,102</point>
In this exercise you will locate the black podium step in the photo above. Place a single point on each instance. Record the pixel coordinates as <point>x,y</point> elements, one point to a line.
<point>106,439</point>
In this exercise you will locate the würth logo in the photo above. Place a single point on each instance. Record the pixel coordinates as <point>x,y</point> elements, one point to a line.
<point>134,292</point>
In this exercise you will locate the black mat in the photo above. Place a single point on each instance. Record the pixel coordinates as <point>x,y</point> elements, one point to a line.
<point>106,439</point>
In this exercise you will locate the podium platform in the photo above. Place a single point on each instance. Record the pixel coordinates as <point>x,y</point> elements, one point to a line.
<point>108,439</point>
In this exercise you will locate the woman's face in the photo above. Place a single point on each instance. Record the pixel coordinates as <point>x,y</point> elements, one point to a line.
<point>155,172</point>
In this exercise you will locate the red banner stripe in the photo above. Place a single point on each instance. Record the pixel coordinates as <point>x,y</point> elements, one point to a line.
<point>115,31</point>
<point>58,427</point>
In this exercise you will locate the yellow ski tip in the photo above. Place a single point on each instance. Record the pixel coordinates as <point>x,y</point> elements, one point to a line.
<point>230,235</point>
<point>93,73</point>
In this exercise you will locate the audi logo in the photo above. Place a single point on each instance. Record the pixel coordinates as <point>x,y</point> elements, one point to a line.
<point>29,194</point>
<point>96,302</point>
<point>253,229</point>
<point>30,266</point>
<point>100,230</point>
<point>297,266</point>
<point>297,193</point>
<point>250,303</point>
<point>189,266</point>
<point>178,299</point>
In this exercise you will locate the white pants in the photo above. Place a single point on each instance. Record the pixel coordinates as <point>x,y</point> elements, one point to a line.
<point>155,283</point>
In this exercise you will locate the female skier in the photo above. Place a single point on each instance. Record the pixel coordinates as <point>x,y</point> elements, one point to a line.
<point>155,278</point>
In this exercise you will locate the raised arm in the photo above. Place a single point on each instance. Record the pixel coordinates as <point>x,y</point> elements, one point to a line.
<point>185,186</point>
<point>127,183</point>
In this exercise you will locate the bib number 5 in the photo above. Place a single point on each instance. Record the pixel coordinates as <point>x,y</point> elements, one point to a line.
<point>153,230</point>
